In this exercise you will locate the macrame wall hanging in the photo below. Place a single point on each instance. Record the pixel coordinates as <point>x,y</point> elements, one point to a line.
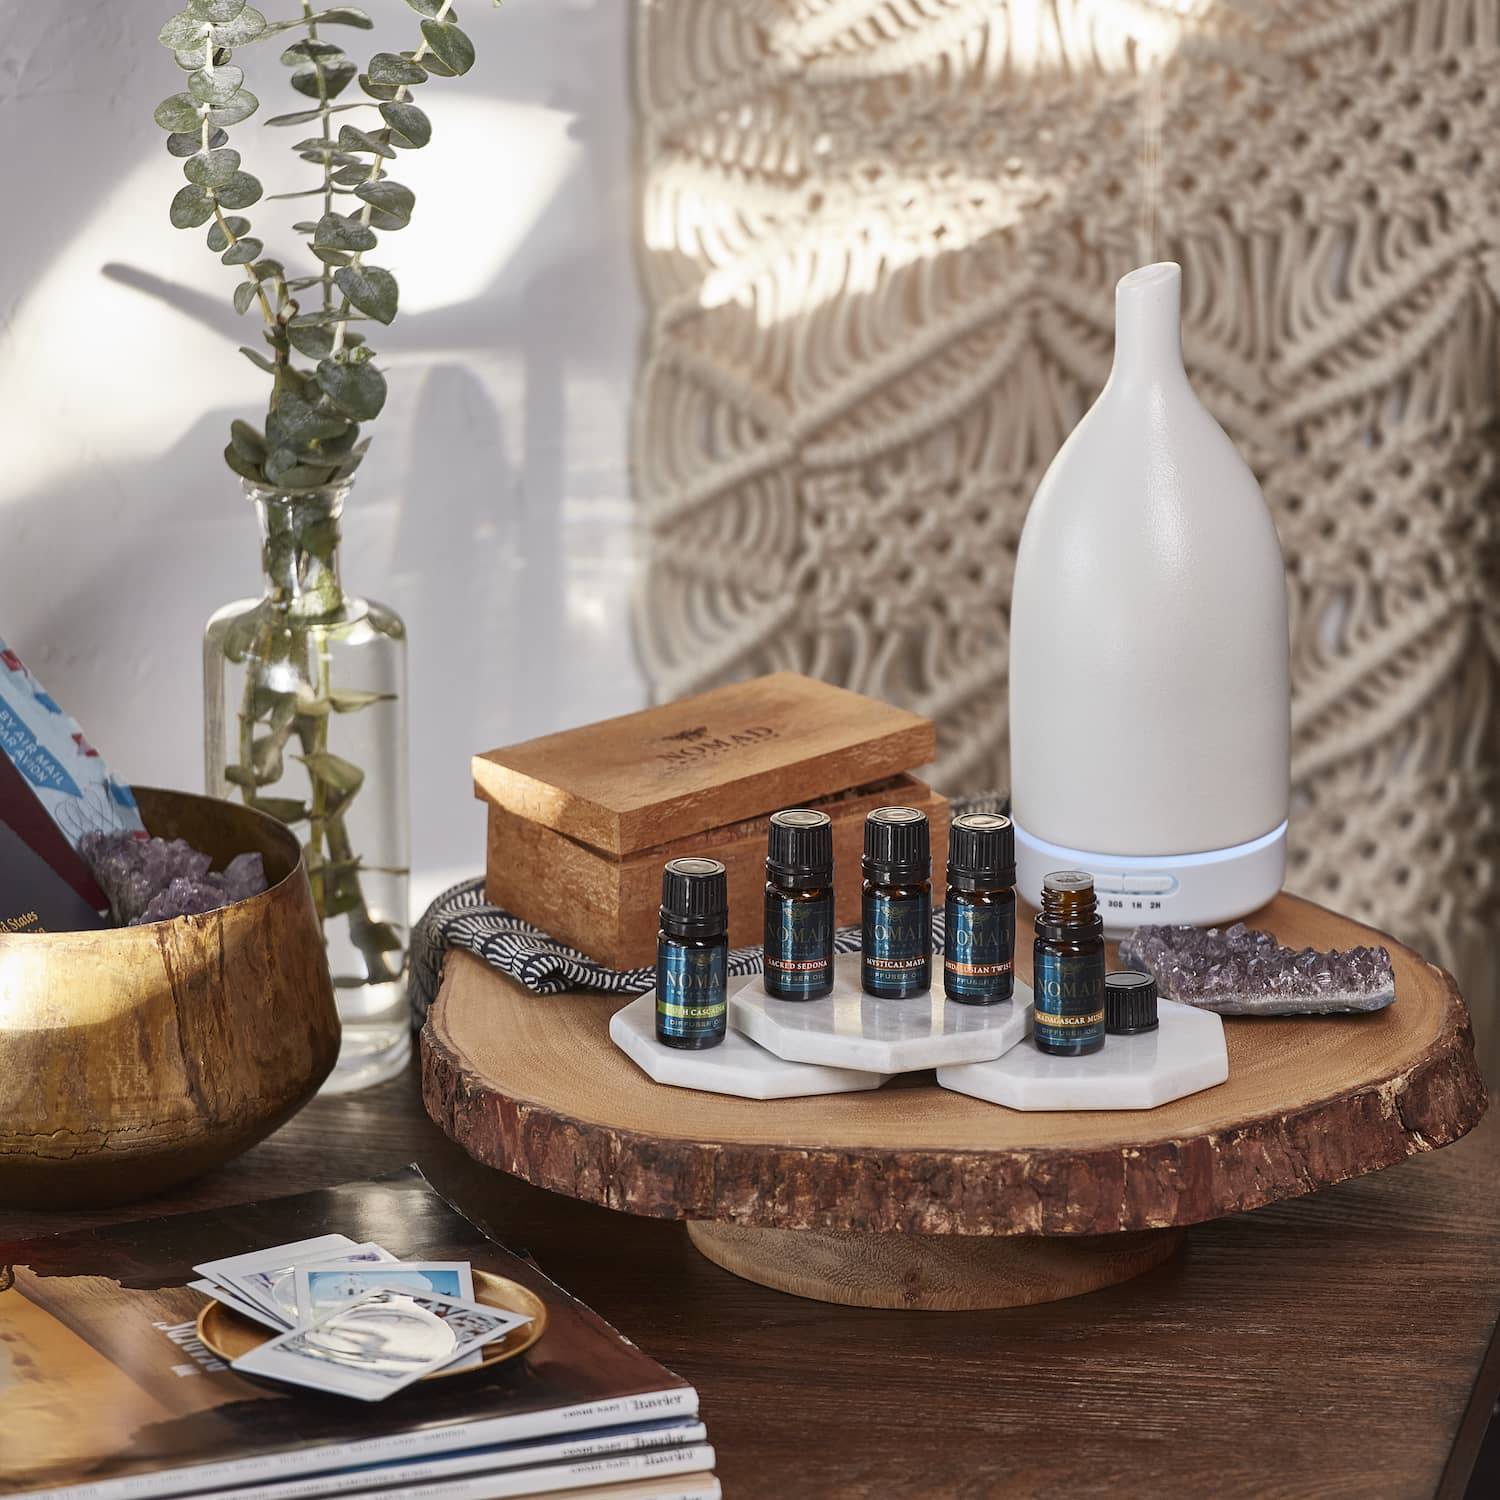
<point>880,241</point>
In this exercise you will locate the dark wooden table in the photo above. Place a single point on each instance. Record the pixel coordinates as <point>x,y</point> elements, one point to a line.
<point>1337,1345</point>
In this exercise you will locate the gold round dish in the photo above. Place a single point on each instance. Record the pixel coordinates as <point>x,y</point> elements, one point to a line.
<point>229,1335</point>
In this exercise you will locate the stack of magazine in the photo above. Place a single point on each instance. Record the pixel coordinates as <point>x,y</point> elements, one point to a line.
<point>109,1392</point>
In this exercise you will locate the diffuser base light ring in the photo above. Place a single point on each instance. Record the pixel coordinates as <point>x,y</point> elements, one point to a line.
<point>1205,888</point>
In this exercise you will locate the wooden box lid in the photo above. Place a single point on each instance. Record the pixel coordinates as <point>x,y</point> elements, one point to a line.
<point>734,752</point>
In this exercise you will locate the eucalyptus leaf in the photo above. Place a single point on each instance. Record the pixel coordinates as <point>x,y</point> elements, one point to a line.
<point>217,11</point>
<point>242,252</point>
<point>351,138</point>
<point>305,226</point>
<point>302,423</point>
<point>284,809</point>
<point>211,169</point>
<point>245,27</point>
<point>342,232</point>
<point>434,65</point>
<point>356,389</point>
<point>349,176</point>
<point>333,257</point>
<point>351,700</point>
<point>379,91</point>
<point>217,87</point>
<point>272,268</point>
<point>334,771</point>
<point>242,104</point>
<point>247,441</point>
<point>218,240</point>
<point>306,116</point>
<point>312,342</point>
<point>331,448</point>
<point>339,15</point>
<point>369,288</point>
<point>431,8</point>
<point>303,477</point>
<point>409,125</point>
<point>301,283</point>
<point>246,468</point>
<point>244,295</point>
<point>383,937</point>
<point>184,32</point>
<point>179,112</point>
<point>345,15</point>
<point>189,143</point>
<point>191,207</point>
<point>324,80</point>
<point>387,67</point>
<point>323,317</point>
<point>391,199</point>
<point>240,191</point>
<point>309,50</point>
<point>316,192</point>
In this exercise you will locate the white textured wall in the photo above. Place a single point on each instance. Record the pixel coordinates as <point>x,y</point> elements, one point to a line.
<point>493,508</point>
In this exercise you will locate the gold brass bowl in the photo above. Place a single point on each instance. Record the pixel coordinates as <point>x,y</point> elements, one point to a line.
<point>137,1057</point>
<point>230,1335</point>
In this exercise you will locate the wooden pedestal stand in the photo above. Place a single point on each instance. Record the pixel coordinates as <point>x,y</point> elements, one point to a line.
<point>912,1196</point>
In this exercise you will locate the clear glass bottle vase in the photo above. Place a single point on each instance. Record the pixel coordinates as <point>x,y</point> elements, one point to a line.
<point>305,718</point>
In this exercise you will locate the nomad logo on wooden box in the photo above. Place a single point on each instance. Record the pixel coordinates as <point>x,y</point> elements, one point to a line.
<point>580,823</point>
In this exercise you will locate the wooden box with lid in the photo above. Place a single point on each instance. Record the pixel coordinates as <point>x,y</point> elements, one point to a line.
<point>581,822</point>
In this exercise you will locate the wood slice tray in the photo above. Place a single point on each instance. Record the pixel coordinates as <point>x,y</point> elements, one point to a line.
<point>912,1195</point>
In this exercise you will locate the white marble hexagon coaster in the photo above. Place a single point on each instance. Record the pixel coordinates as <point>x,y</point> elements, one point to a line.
<point>1184,1054</point>
<point>735,1066</point>
<point>850,1029</point>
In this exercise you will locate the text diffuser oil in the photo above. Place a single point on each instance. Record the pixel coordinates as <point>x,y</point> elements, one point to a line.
<point>1068,967</point>
<point>896,949</point>
<point>692,955</point>
<point>799,905</point>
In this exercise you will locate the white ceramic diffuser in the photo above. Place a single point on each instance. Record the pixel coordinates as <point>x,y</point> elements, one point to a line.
<point>1150,722</point>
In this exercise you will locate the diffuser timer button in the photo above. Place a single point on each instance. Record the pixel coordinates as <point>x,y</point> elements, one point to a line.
<point>1149,885</point>
<point>1114,883</point>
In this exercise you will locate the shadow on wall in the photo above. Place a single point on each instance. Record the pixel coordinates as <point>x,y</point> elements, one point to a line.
<point>493,510</point>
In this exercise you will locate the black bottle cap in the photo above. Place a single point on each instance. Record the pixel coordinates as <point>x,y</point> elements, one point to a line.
<point>981,852</point>
<point>799,850</point>
<point>897,845</point>
<point>694,897</point>
<point>1129,1002</point>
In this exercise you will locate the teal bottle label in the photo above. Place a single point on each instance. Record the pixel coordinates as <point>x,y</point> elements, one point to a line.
<point>979,950</point>
<point>1069,992</point>
<point>799,946</point>
<point>690,998</point>
<point>897,945</point>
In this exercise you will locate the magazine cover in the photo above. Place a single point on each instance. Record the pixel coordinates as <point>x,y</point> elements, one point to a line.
<point>105,1384</point>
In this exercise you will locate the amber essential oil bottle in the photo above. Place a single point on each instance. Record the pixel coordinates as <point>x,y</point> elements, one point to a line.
<point>896,956</point>
<point>799,905</point>
<point>979,930</point>
<point>692,955</point>
<point>1068,967</point>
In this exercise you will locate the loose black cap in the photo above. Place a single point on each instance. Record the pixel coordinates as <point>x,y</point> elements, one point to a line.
<point>799,850</point>
<point>897,844</point>
<point>694,897</point>
<point>981,852</point>
<point>1129,1002</point>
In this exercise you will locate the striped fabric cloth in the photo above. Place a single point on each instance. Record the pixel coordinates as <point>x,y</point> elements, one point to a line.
<point>462,918</point>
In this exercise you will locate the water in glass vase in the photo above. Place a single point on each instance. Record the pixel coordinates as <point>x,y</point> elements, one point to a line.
<point>305,718</point>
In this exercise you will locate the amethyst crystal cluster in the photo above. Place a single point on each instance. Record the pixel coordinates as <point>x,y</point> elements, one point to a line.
<point>1241,972</point>
<point>150,880</point>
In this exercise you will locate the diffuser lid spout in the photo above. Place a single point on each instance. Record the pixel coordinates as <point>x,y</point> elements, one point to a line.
<point>1148,322</point>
